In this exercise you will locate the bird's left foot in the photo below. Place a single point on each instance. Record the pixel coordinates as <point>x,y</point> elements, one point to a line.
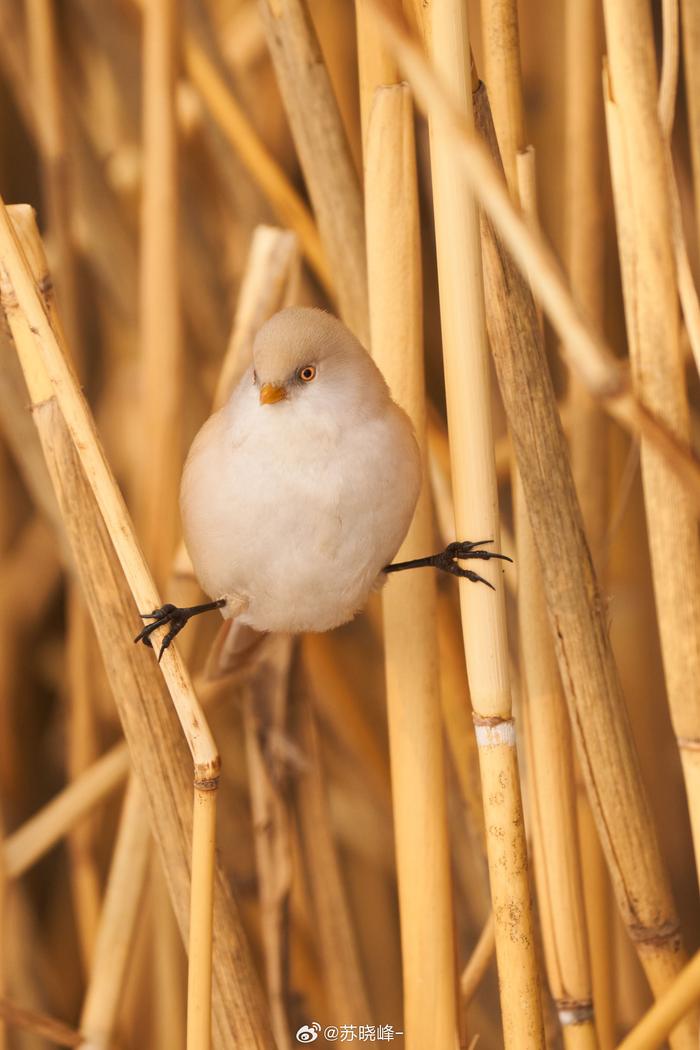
<point>448,560</point>
<point>173,616</point>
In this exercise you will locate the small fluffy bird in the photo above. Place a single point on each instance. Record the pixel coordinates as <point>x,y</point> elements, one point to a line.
<point>297,494</point>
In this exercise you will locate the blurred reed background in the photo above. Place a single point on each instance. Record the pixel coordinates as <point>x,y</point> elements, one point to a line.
<point>385,856</point>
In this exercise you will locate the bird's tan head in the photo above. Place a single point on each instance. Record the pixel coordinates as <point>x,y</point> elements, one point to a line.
<point>302,352</point>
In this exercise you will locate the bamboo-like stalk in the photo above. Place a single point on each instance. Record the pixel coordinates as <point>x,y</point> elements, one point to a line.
<point>639,170</point>
<point>553,804</point>
<point>504,78</point>
<point>547,730</point>
<point>465,354</point>
<point>668,82</point>
<point>47,101</point>
<point>161,380</point>
<point>323,151</point>
<point>588,433</point>
<point>200,941</point>
<point>409,604</point>
<point>678,1000</point>
<point>101,1004</point>
<point>690,25</point>
<point>71,447</point>
<point>583,349</point>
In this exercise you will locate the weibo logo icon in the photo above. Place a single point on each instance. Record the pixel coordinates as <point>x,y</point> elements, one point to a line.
<point>308,1033</point>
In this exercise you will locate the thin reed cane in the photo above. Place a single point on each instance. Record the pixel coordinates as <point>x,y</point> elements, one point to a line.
<point>475,498</point>
<point>409,604</point>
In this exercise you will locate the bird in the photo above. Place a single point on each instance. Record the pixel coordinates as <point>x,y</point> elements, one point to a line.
<point>297,494</point>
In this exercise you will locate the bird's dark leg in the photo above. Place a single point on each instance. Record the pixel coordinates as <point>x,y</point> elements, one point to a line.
<point>447,560</point>
<point>175,617</point>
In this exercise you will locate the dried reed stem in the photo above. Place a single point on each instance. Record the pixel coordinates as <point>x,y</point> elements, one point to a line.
<point>690,23</point>
<point>47,100</point>
<point>409,603</point>
<point>504,78</point>
<point>670,56</point>
<point>113,947</point>
<point>323,151</point>
<point>678,1000</point>
<point>588,431</point>
<point>584,351</point>
<point>160,336</point>
<point>476,515</point>
<point>87,493</point>
<point>639,168</point>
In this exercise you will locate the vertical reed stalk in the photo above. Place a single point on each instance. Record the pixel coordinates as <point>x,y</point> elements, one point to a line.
<point>640,173</point>
<point>476,515</point>
<point>410,603</point>
<point>690,24</point>
<point>504,80</point>
<point>585,262</point>
<point>160,325</point>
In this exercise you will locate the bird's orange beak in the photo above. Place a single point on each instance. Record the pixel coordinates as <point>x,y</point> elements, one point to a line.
<point>269,393</point>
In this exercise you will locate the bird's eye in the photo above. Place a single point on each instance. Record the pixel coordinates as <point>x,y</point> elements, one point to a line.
<point>307,373</point>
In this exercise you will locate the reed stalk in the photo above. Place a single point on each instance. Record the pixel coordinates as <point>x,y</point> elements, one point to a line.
<point>161,380</point>
<point>410,603</point>
<point>690,26</point>
<point>475,499</point>
<point>588,433</point>
<point>650,291</point>
<point>478,963</point>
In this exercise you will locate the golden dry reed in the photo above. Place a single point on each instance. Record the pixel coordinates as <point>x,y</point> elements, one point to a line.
<point>472,813</point>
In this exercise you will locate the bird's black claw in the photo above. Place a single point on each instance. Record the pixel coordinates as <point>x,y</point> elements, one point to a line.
<point>175,618</point>
<point>453,552</point>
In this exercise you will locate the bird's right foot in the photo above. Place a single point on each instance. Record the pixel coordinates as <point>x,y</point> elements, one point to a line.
<point>175,617</point>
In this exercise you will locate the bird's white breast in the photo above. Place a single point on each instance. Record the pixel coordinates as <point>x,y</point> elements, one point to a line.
<point>297,509</point>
